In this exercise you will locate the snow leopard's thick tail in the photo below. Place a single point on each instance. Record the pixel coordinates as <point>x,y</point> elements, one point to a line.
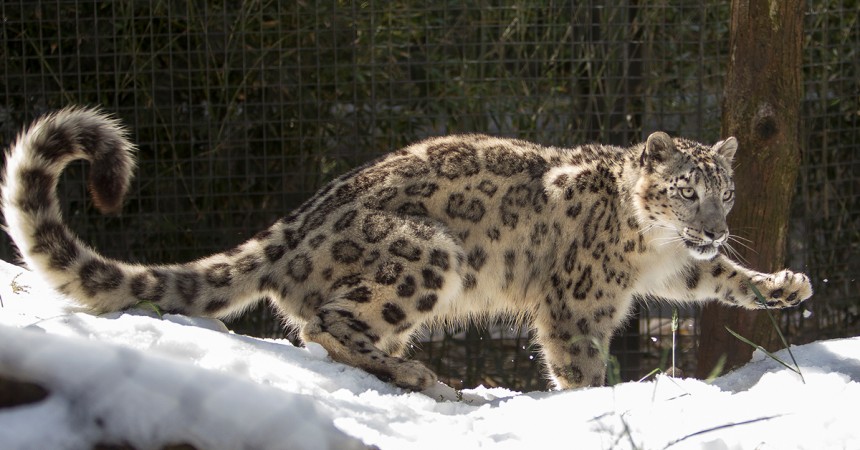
<point>35,223</point>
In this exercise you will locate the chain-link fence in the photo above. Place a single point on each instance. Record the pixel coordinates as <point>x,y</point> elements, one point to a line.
<point>242,109</point>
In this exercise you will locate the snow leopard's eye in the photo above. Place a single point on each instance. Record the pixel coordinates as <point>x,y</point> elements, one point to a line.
<point>688,193</point>
<point>728,195</point>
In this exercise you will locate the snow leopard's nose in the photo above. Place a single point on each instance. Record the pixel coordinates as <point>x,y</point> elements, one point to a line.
<point>716,237</point>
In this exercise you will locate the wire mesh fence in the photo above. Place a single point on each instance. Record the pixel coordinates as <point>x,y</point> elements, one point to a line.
<point>826,224</point>
<point>242,109</point>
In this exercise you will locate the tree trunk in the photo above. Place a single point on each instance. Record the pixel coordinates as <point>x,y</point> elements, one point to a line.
<point>761,108</point>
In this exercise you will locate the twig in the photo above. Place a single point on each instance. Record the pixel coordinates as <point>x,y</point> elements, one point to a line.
<point>720,427</point>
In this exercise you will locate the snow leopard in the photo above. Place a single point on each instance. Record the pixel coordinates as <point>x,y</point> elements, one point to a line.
<point>440,233</point>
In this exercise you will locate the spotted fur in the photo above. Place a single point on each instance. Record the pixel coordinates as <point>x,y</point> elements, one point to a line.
<point>441,232</point>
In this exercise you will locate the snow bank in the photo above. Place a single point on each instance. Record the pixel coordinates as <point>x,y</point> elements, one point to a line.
<point>148,382</point>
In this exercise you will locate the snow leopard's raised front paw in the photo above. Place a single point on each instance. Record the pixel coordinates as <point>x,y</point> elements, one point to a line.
<point>782,289</point>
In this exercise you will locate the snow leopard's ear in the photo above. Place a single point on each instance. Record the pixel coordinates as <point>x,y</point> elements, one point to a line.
<point>726,148</point>
<point>659,148</point>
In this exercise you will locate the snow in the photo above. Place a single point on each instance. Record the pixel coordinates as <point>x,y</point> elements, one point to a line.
<point>140,380</point>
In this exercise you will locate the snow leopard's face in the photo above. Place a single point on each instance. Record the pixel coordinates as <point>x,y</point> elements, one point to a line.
<point>687,190</point>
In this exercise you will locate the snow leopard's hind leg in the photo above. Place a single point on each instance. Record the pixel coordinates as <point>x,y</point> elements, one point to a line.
<point>369,316</point>
<point>347,341</point>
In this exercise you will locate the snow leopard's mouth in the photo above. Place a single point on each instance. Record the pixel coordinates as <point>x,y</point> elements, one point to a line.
<point>700,251</point>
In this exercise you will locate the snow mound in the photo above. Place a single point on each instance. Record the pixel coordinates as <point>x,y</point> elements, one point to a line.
<point>139,380</point>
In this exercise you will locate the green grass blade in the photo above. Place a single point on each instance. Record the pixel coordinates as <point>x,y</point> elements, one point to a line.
<point>759,347</point>
<point>675,327</point>
<point>150,306</point>
<point>650,374</point>
<point>717,370</point>
<point>763,302</point>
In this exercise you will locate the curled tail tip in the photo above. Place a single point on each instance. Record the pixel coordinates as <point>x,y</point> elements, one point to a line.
<point>89,133</point>
<point>76,132</point>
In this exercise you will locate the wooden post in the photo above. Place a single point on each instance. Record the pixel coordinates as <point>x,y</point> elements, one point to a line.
<point>761,108</point>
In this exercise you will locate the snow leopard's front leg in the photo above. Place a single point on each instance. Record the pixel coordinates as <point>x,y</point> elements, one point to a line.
<point>573,359</point>
<point>729,282</point>
<point>574,337</point>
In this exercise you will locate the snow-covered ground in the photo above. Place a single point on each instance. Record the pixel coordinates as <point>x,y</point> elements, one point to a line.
<point>147,382</point>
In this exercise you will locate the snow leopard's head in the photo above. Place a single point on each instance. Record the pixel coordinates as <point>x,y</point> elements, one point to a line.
<point>686,190</point>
